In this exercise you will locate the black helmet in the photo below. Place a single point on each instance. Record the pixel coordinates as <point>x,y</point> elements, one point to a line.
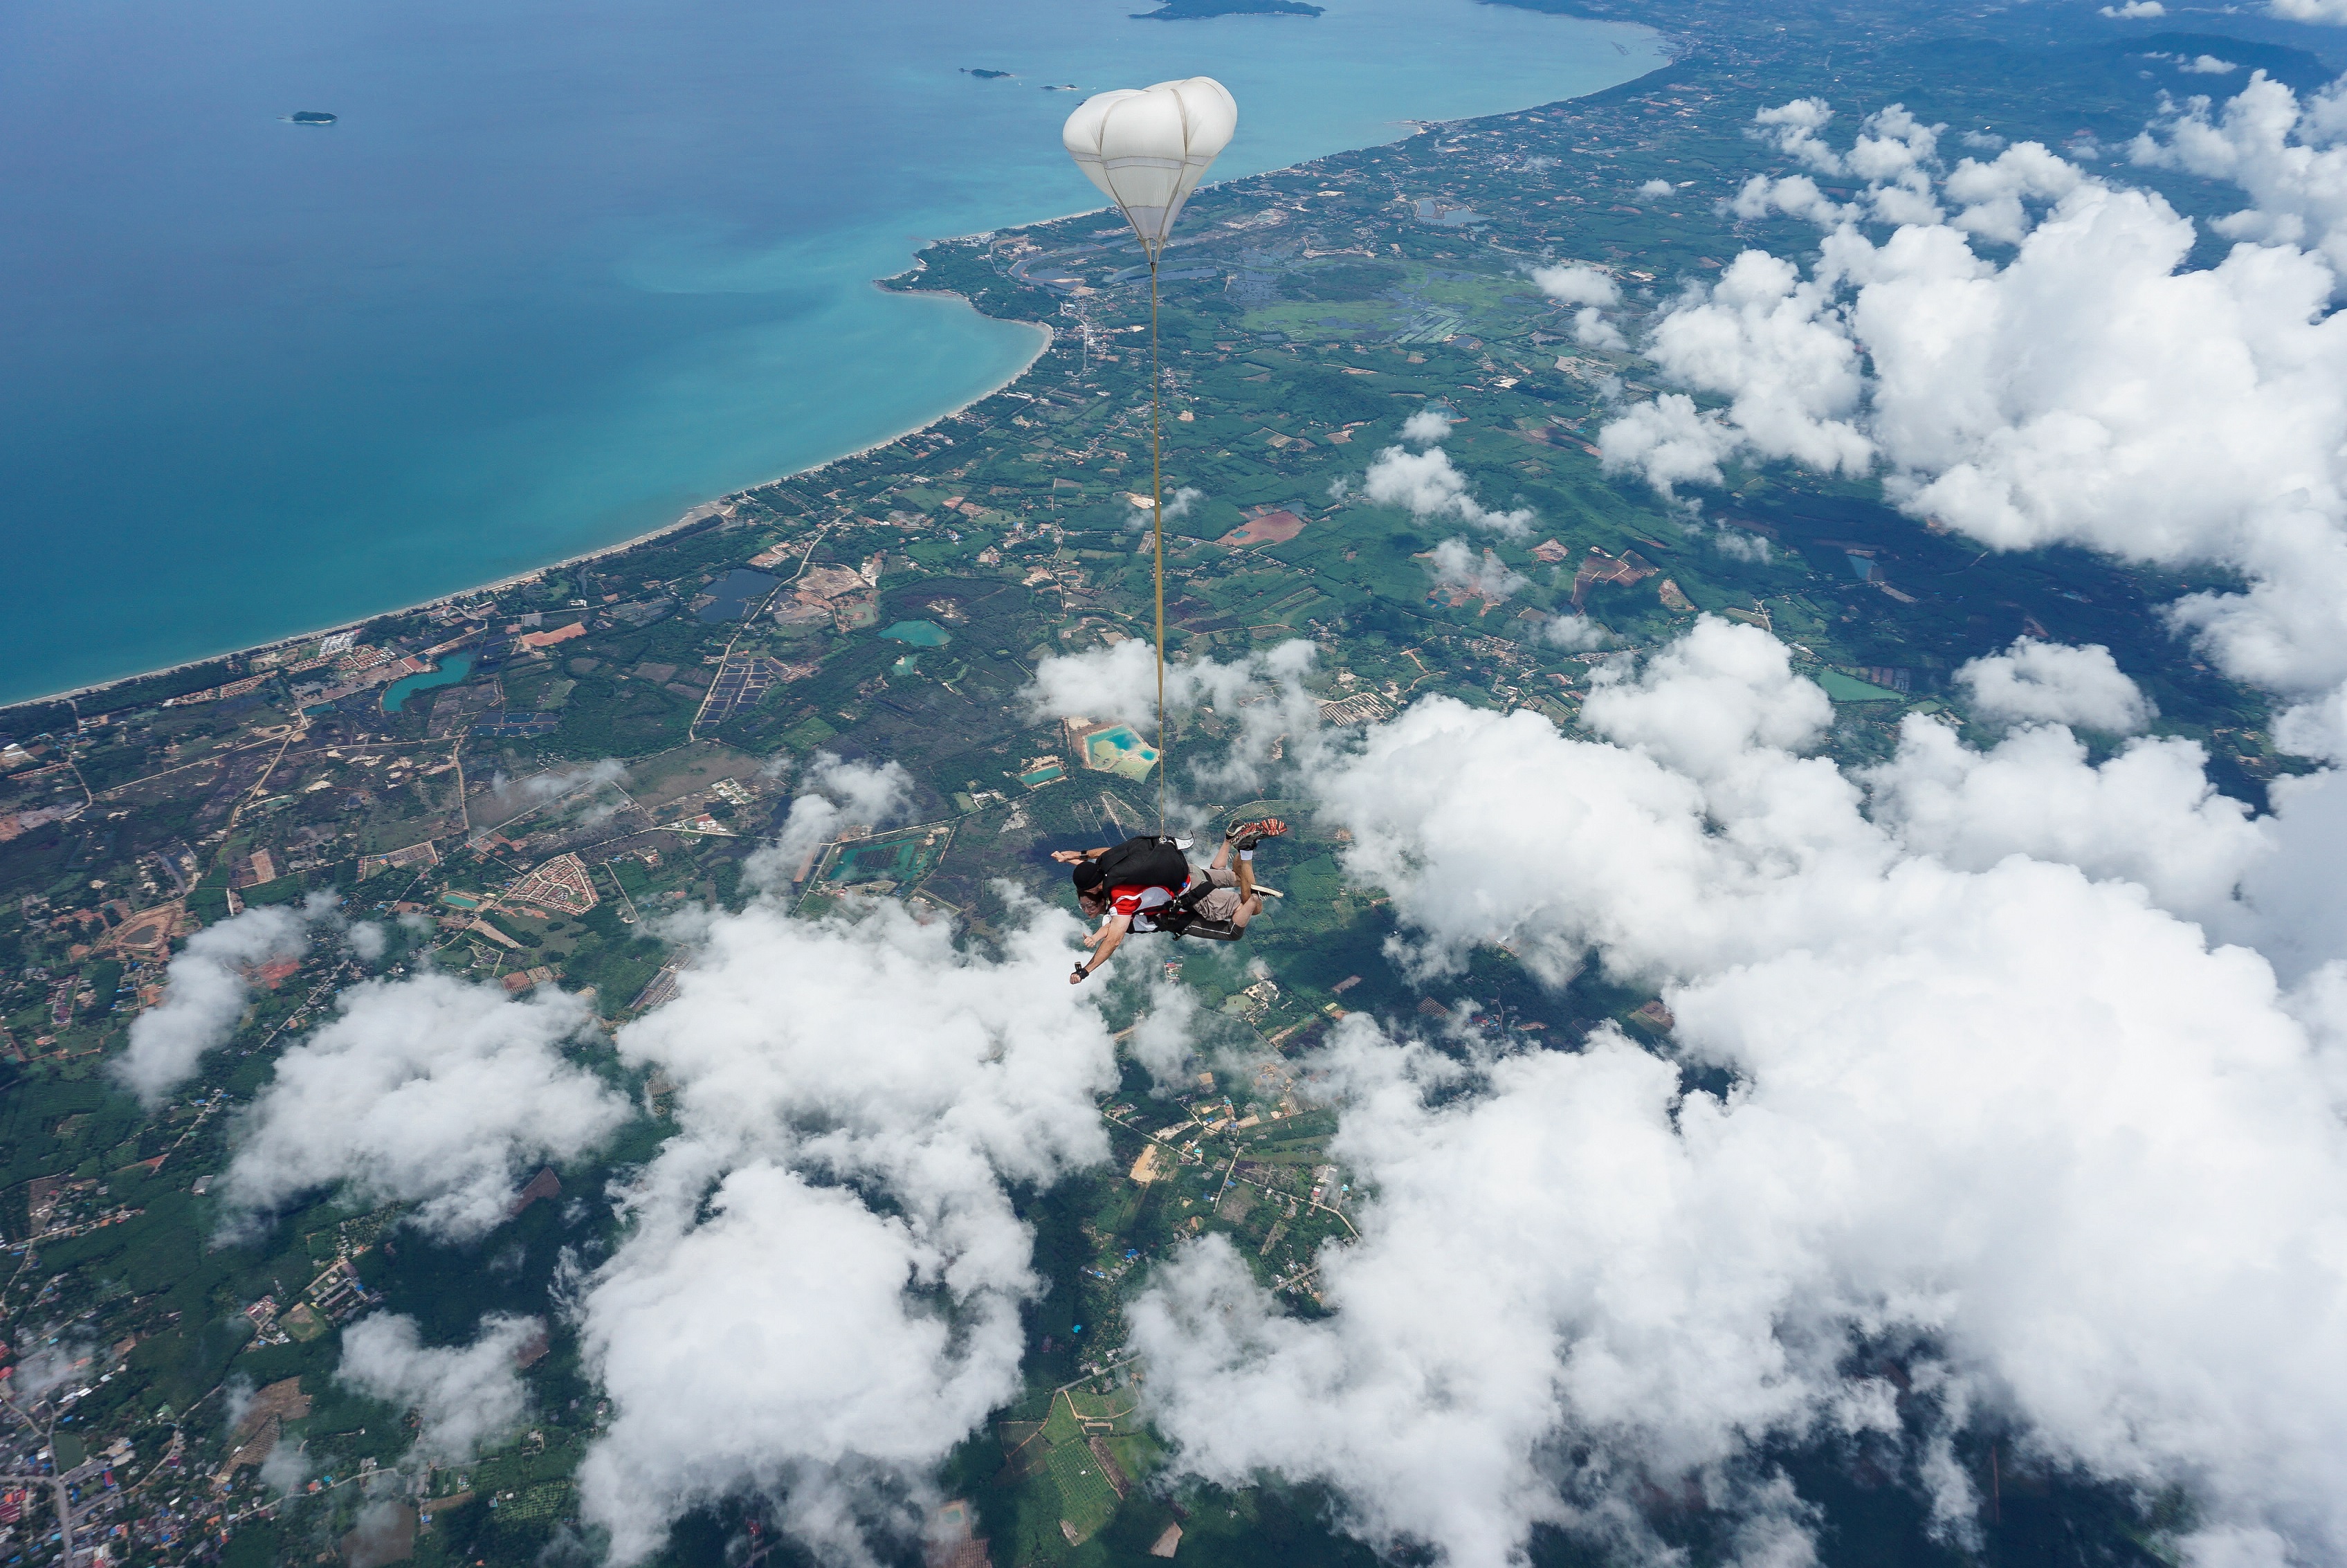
<point>1087,876</point>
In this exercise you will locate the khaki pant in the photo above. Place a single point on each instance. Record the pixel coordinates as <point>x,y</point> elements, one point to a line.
<point>1222,903</point>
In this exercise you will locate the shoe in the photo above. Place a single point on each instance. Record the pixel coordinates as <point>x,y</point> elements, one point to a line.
<point>1245,835</point>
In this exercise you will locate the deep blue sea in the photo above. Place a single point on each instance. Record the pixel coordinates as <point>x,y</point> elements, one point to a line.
<point>561,272</point>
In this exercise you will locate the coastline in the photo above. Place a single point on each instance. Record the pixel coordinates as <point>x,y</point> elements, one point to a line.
<point>701,511</point>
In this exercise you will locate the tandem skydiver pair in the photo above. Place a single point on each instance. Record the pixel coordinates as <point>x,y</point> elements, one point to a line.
<point>1147,884</point>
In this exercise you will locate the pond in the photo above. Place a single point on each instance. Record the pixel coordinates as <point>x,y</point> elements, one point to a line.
<point>451,670</point>
<point>732,596</point>
<point>920,633</point>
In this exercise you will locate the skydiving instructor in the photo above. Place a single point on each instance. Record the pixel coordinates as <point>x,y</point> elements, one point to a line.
<point>1124,892</point>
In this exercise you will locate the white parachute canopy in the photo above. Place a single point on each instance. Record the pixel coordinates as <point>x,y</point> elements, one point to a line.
<point>1147,147</point>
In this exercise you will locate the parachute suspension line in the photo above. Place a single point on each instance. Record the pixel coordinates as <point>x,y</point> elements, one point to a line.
<point>1157,495</point>
<point>1145,149</point>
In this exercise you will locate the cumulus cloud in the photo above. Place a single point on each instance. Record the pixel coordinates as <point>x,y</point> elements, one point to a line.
<point>1982,1101</point>
<point>204,994</point>
<point>2284,153</point>
<point>468,1397</point>
<point>1592,330</point>
<point>1992,194</point>
<point>1794,129</point>
<point>1428,425</point>
<point>1428,486</point>
<point>1279,718</point>
<point>2093,390</point>
<point>2334,12</point>
<point>1655,190</point>
<point>431,1091</point>
<point>1668,440</point>
<point>2054,683</point>
<point>836,794</point>
<point>2148,815</point>
<point>2134,9</point>
<point>1578,284</point>
<point>1793,195</point>
<point>1775,344</point>
<point>1574,631</point>
<point>1458,568</point>
<point>819,1296</point>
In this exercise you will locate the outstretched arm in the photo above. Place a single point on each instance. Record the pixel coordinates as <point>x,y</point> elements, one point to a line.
<point>1076,856</point>
<point>1103,942</point>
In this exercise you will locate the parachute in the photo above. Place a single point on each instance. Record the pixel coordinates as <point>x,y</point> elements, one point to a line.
<point>1147,149</point>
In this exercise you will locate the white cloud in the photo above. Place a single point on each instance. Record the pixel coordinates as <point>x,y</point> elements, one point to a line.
<point>1893,142</point>
<point>204,994</point>
<point>2091,391</point>
<point>1574,631</point>
<point>1982,1104</point>
<point>1794,128</point>
<point>433,1091</point>
<point>1162,1036</point>
<point>1263,692</point>
<point>1592,330</point>
<point>2282,151</point>
<point>468,1397</point>
<point>1669,441</point>
<point>1655,190</point>
<point>368,941</point>
<point>1428,426</point>
<point>1779,348</point>
<point>2334,12</point>
<point>2134,9</point>
<point>507,799</point>
<point>2207,66</point>
<point>2054,683</point>
<point>1992,193</point>
<point>819,1294</point>
<point>1738,545</point>
<point>2148,815</point>
<point>1578,284</point>
<point>1793,195</point>
<point>1459,567</point>
<point>836,794</point>
<point>286,1466</point>
<point>1428,486</point>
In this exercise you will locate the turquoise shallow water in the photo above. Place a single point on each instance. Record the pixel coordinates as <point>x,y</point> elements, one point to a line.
<point>452,670</point>
<point>561,270</point>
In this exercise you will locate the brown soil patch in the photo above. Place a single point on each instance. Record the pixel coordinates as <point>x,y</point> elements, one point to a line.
<point>1265,526</point>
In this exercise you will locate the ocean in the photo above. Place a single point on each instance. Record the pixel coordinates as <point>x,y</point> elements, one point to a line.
<point>560,272</point>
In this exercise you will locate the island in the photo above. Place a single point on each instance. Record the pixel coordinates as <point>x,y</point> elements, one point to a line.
<point>311,117</point>
<point>984,76</point>
<point>1191,10</point>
